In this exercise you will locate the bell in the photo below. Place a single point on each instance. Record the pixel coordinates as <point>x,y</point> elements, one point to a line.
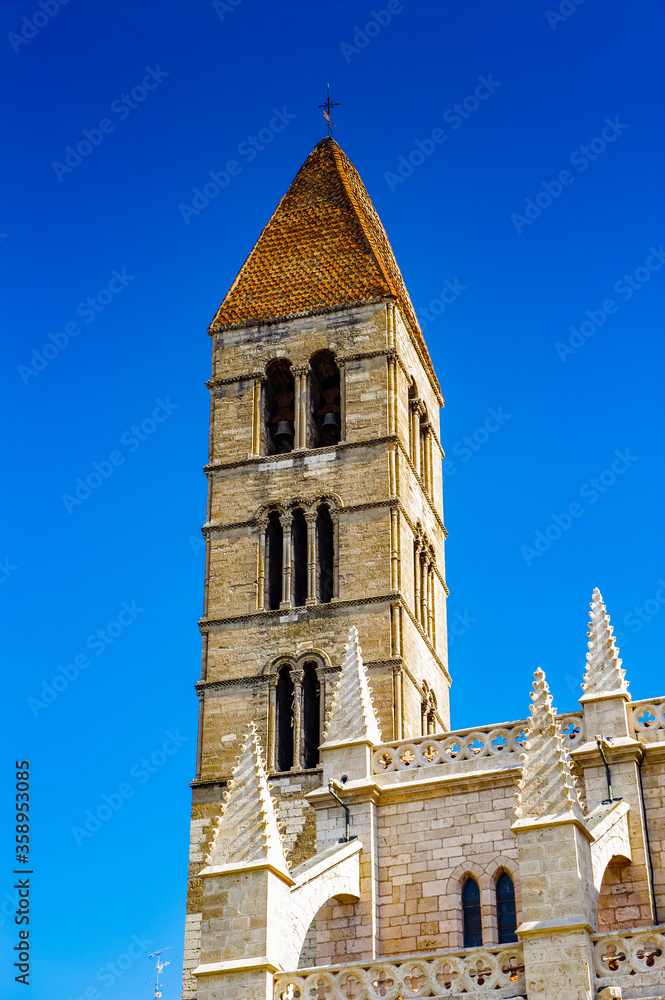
<point>283,435</point>
<point>330,421</point>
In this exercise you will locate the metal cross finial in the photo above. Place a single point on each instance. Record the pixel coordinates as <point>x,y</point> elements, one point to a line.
<point>327,112</point>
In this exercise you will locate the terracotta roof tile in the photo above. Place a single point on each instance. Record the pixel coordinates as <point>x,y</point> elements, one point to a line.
<point>324,248</point>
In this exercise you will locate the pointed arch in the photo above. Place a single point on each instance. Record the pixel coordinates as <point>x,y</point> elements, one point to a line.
<point>274,555</point>
<point>325,545</point>
<point>311,715</point>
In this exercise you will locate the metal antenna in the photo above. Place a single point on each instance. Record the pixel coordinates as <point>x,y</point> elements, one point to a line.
<point>326,108</point>
<point>159,966</point>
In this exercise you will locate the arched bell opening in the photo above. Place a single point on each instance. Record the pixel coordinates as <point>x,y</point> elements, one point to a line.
<point>279,409</point>
<point>325,400</point>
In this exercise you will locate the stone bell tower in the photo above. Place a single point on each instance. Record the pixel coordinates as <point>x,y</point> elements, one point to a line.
<point>324,503</point>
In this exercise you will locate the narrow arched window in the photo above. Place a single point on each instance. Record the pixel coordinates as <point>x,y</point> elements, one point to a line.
<point>324,400</point>
<point>274,550</point>
<point>505,908</point>
<point>284,720</point>
<point>471,916</point>
<point>326,556</point>
<point>299,550</point>
<point>279,412</point>
<point>311,716</point>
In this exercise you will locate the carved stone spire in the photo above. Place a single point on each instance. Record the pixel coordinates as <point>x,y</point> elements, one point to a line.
<point>248,829</point>
<point>352,716</point>
<point>604,675</point>
<point>546,788</point>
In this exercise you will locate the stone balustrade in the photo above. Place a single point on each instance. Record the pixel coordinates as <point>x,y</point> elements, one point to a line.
<point>486,973</point>
<point>649,720</point>
<point>633,960</point>
<point>468,744</point>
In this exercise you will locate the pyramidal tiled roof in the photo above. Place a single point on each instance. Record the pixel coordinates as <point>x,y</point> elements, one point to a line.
<point>323,249</point>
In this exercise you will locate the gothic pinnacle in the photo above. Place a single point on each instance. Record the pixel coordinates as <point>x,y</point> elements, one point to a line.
<point>248,828</point>
<point>546,788</point>
<point>352,716</point>
<point>604,675</point>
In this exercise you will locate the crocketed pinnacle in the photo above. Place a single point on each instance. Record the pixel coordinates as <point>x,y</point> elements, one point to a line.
<point>604,675</point>
<point>546,788</point>
<point>248,829</point>
<point>352,716</point>
<point>323,249</point>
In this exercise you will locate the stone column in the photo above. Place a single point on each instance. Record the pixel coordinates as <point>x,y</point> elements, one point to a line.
<point>394,548</point>
<point>391,393</point>
<point>296,677</point>
<point>416,580</point>
<point>272,721</point>
<point>301,377</point>
<point>256,418</point>
<point>310,518</point>
<point>341,364</point>
<point>397,696</point>
<point>423,590</point>
<point>287,547</point>
<point>334,516</point>
<point>430,601</point>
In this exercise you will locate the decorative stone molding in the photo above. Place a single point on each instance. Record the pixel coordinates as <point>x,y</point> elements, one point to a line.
<point>483,972</point>
<point>468,745</point>
<point>633,960</point>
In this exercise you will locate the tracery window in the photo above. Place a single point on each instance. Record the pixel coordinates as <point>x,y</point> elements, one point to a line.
<point>505,909</point>
<point>284,720</point>
<point>471,914</point>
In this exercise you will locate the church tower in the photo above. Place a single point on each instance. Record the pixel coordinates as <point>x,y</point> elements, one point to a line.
<point>324,504</point>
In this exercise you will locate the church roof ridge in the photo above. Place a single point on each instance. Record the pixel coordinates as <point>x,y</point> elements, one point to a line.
<point>324,248</point>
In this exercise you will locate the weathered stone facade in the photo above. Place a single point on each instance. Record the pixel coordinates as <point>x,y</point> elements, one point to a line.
<point>520,859</point>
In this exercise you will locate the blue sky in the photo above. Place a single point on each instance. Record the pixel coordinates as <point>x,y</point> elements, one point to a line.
<point>542,208</point>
